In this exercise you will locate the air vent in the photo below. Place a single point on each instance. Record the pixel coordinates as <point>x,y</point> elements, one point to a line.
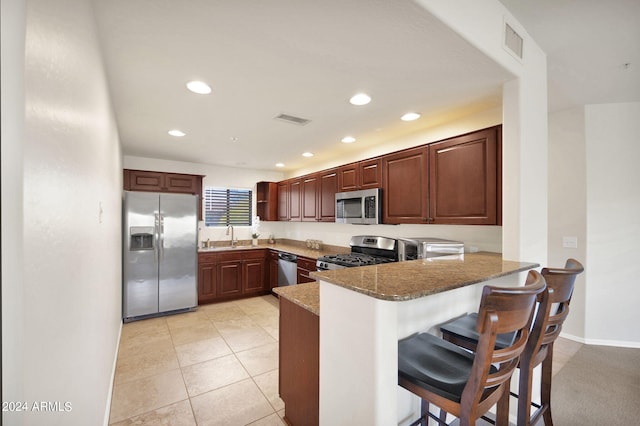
<point>512,41</point>
<point>292,119</point>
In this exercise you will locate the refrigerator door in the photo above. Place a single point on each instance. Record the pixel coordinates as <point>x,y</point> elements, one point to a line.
<point>177,251</point>
<point>140,256</point>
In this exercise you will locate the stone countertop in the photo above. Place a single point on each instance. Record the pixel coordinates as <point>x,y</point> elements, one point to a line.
<point>305,295</point>
<point>419,278</point>
<point>298,248</point>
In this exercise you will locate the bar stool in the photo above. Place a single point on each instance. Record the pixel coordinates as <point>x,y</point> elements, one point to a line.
<point>539,349</point>
<point>465,384</point>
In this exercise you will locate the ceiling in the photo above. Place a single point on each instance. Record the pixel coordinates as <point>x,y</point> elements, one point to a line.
<point>307,58</point>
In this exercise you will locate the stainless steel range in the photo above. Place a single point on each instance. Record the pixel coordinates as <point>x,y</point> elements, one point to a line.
<point>365,250</point>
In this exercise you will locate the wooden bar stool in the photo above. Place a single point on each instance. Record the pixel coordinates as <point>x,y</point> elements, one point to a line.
<point>539,349</point>
<point>465,384</point>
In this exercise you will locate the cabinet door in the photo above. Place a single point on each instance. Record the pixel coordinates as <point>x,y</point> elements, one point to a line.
<point>305,266</point>
<point>327,196</point>
<point>348,177</point>
<point>294,199</point>
<point>370,173</point>
<point>267,200</point>
<point>207,282</point>
<point>463,179</point>
<point>140,180</point>
<point>273,273</point>
<point>405,189</point>
<point>180,183</point>
<point>283,200</point>
<point>309,198</point>
<point>229,278</point>
<point>254,274</point>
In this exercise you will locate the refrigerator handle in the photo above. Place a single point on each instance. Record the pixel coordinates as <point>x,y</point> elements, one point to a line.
<point>156,246</point>
<point>161,237</point>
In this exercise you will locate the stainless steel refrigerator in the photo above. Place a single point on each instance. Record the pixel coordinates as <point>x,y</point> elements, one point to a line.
<point>159,254</point>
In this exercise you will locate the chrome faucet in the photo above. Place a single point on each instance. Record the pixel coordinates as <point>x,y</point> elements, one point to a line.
<point>233,240</point>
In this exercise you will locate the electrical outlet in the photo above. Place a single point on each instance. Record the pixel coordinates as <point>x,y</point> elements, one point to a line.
<point>570,242</point>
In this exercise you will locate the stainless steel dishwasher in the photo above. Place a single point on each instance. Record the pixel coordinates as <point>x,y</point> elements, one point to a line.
<point>287,269</point>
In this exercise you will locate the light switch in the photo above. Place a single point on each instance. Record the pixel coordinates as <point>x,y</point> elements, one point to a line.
<point>570,242</point>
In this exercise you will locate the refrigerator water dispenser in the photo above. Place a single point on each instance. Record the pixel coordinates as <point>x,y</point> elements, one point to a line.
<point>141,238</point>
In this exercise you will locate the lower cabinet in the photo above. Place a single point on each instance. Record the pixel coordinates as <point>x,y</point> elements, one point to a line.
<point>298,379</point>
<point>272,260</point>
<point>305,267</point>
<point>231,275</point>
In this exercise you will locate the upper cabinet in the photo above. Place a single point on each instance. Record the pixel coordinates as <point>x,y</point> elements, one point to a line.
<point>463,179</point>
<point>405,190</point>
<point>267,200</point>
<point>361,175</point>
<point>455,181</point>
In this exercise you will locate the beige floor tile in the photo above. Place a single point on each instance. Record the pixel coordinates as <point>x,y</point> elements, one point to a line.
<point>193,333</point>
<point>178,414</point>
<point>143,395</point>
<point>213,374</point>
<point>223,312</point>
<point>234,324</point>
<point>144,326</point>
<point>202,350</point>
<point>272,420</point>
<point>157,340</point>
<point>247,338</point>
<point>145,364</point>
<point>237,404</point>
<point>268,384</point>
<point>186,319</point>
<point>261,359</point>
<point>563,350</point>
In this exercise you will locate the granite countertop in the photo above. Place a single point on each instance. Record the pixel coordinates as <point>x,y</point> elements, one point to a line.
<point>298,248</point>
<point>305,295</point>
<point>419,278</point>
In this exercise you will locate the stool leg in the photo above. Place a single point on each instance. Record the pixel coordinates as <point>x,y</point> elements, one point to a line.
<point>502,408</point>
<point>424,409</point>
<point>524,392</point>
<point>545,391</point>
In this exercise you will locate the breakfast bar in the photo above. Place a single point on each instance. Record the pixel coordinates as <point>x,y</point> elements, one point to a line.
<point>364,311</point>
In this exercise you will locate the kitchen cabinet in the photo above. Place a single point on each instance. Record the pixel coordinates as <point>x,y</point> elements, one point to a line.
<point>305,267</point>
<point>272,260</point>
<point>364,174</point>
<point>299,372</point>
<point>153,181</point>
<point>267,200</point>
<point>319,196</point>
<point>310,189</point>
<point>463,179</point>
<point>231,275</point>
<point>405,186</point>
<point>289,200</point>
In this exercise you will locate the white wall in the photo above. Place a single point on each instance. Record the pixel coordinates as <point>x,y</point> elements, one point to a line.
<point>71,307</point>
<point>12,108</point>
<point>613,223</point>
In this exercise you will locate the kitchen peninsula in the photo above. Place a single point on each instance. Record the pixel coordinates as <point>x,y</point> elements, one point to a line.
<point>365,311</point>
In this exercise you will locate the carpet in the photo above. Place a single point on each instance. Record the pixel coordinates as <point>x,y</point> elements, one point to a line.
<point>600,385</point>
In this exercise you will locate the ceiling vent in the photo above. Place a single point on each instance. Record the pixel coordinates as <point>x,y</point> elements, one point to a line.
<point>292,119</point>
<point>512,41</point>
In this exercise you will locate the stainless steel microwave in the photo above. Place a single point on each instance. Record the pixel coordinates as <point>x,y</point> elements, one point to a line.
<point>360,207</point>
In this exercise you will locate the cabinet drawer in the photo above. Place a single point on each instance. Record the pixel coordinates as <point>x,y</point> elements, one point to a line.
<point>207,257</point>
<point>306,263</point>
<point>273,255</point>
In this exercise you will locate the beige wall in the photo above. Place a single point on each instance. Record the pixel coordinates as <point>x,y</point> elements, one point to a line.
<point>69,314</point>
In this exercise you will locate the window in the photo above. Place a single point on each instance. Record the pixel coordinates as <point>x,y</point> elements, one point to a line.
<point>225,206</point>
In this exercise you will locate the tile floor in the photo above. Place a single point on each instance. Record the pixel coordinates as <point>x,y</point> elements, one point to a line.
<point>215,366</point>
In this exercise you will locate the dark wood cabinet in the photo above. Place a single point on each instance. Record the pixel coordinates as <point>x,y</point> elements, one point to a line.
<point>305,267</point>
<point>406,189</point>
<point>284,189</point>
<point>364,174</point>
<point>310,189</point>
<point>289,199</point>
<point>152,181</point>
<point>328,186</point>
<point>463,179</point>
<point>267,200</point>
<point>299,371</point>
<point>231,275</point>
<point>272,260</point>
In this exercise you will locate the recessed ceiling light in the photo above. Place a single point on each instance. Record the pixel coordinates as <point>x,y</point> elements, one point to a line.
<point>410,116</point>
<point>348,139</point>
<point>279,165</point>
<point>199,87</point>
<point>307,154</point>
<point>177,133</point>
<point>360,99</point>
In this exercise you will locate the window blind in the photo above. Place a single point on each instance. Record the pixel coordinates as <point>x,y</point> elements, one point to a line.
<point>226,206</point>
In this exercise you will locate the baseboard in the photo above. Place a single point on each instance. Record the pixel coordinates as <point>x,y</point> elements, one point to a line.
<point>600,342</point>
<point>107,411</point>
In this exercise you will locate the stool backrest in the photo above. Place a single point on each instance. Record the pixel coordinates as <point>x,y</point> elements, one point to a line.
<point>502,310</point>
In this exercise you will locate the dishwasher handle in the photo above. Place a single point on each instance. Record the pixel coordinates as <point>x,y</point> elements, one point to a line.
<point>288,257</point>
